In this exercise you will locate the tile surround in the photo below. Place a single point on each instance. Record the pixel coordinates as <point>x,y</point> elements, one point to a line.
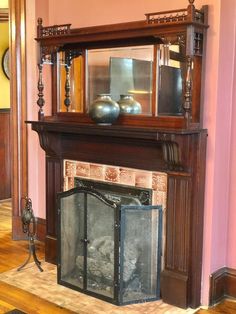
<point>157,181</point>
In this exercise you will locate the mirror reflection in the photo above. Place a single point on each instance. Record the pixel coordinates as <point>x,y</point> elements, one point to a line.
<point>171,80</point>
<point>126,74</point>
<point>143,80</point>
<point>75,81</point>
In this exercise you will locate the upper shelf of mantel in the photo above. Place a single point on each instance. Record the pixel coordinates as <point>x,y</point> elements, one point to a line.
<point>155,24</point>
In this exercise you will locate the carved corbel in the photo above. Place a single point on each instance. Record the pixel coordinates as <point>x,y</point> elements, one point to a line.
<point>172,156</point>
<point>170,151</point>
<point>48,142</point>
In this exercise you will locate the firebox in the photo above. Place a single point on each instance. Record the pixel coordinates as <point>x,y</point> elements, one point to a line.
<point>110,242</point>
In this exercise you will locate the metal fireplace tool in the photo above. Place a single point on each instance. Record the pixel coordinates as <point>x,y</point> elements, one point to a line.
<point>29,227</point>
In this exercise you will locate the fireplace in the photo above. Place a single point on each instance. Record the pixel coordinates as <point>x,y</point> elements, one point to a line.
<point>110,241</point>
<point>110,154</point>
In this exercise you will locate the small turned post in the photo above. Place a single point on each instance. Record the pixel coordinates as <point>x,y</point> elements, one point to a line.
<point>188,91</point>
<point>67,101</point>
<point>39,27</point>
<point>40,100</point>
<point>191,11</point>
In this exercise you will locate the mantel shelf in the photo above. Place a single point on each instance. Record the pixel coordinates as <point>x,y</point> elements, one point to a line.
<point>110,130</point>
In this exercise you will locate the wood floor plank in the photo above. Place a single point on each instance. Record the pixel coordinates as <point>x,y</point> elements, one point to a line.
<point>35,305</point>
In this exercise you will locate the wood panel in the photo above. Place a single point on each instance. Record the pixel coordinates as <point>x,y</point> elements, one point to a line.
<point>4,16</point>
<point>54,181</point>
<point>222,285</point>
<point>5,168</point>
<point>176,274</point>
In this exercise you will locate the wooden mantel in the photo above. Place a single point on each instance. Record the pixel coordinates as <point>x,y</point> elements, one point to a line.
<point>179,153</point>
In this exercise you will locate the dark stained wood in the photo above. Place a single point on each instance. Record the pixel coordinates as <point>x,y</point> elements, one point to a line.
<point>222,285</point>
<point>172,29</point>
<point>226,307</point>
<point>54,181</point>
<point>5,168</point>
<point>4,15</point>
<point>40,229</point>
<point>179,153</point>
<point>177,240</point>
<point>18,84</point>
<point>174,145</point>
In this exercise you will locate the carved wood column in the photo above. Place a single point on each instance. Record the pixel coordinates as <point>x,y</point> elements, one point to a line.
<point>18,108</point>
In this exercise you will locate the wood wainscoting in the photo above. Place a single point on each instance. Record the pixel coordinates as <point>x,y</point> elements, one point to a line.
<point>5,161</point>
<point>40,229</point>
<point>222,285</point>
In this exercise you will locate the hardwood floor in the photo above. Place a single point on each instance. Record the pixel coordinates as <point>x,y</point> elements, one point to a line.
<point>14,253</point>
<point>226,307</point>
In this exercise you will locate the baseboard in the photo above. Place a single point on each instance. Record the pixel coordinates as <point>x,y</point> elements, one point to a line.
<point>222,285</point>
<point>40,229</point>
<point>17,233</point>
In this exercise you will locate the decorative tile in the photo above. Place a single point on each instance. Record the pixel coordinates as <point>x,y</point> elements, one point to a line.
<point>97,172</point>
<point>112,174</point>
<point>127,176</point>
<point>159,198</point>
<point>71,183</point>
<point>159,181</point>
<point>65,184</point>
<point>82,169</point>
<point>143,179</point>
<point>69,168</point>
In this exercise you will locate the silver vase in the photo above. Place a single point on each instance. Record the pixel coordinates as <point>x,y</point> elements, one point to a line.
<point>128,105</point>
<point>104,110</point>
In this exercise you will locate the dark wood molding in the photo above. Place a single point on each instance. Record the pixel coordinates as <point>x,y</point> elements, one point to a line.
<point>40,229</point>
<point>20,235</point>
<point>177,236</point>
<point>5,169</point>
<point>222,285</point>
<point>18,107</point>
<point>4,15</point>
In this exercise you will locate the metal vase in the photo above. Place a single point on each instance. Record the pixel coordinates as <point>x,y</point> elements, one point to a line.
<point>104,110</point>
<point>128,105</point>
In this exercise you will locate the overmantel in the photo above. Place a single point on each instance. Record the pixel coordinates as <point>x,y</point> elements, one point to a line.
<point>167,47</point>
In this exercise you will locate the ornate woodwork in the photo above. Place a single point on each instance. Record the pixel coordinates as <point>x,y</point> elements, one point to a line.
<point>175,145</point>
<point>222,285</point>
<point>179,153</point>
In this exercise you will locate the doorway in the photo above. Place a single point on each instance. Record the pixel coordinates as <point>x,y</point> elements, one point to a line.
<point>15,14</point>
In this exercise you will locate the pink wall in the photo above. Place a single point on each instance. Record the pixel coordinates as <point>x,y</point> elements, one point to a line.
<point>231,252</point>
<point>36,156</point>
<point>220,218</point>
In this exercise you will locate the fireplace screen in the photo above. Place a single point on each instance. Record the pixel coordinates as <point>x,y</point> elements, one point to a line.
<point>109,250</point>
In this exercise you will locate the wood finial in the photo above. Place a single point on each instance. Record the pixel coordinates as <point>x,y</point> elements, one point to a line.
<point>40,21</point>
<point>191,1</point>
